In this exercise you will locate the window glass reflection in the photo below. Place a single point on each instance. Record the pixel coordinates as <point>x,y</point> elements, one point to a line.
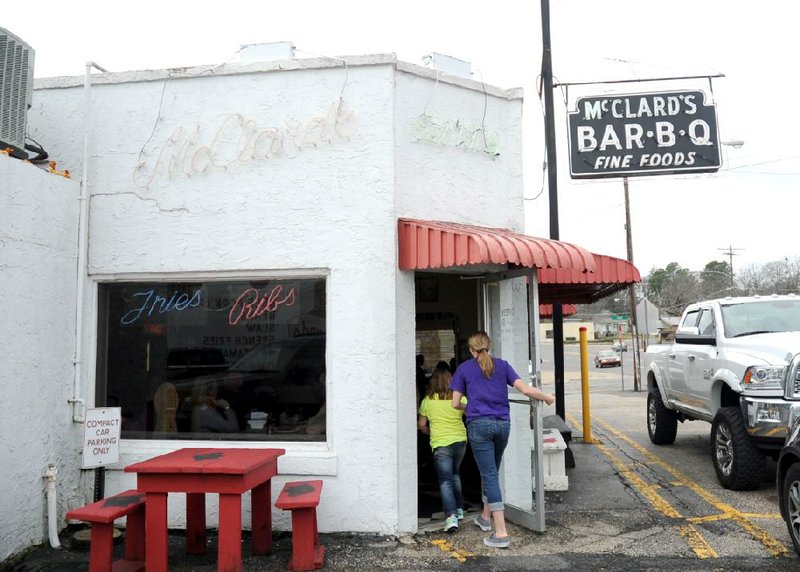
<point>239,360</point>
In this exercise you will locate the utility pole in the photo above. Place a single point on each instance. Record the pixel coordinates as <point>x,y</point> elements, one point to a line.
<point>552,185</point>
<point>631,291</point>
<point>731,252</point>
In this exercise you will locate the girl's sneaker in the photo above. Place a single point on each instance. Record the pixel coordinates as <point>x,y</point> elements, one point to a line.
<point>451,523</point>
<point>483,523</point>
<point>460,514</point>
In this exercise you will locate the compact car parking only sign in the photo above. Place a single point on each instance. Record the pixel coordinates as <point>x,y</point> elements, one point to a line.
<point>643,134</point>
<point>101,437</point>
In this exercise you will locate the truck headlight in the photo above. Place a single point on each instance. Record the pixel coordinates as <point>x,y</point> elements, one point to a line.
<point>764,377</point>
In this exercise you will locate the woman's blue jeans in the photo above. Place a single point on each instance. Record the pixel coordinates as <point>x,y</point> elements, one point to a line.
<point>488,438</point>
<point>447,461</point>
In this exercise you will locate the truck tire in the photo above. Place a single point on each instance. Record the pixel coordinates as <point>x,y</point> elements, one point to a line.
<point>662,423</point>
<point>738,463</point>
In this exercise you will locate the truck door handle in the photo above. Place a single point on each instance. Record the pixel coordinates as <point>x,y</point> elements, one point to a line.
<point>691,358</point>
<point>672,356</point>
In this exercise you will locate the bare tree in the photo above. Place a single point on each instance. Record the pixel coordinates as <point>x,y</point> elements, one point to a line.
<point>778,277</point>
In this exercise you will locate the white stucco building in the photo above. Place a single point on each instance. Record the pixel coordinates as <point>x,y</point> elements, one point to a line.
<point>274,207</point>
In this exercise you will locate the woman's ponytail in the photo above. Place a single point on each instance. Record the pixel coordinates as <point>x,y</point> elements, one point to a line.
<point>480,343</point>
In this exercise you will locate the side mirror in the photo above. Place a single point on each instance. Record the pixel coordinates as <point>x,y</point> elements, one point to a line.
<point>692,335</point>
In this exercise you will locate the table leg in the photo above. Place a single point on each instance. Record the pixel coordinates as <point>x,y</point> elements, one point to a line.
<point>134,535</point>
<point>156,532</point>
<point>230,533</point>
<point>195,523</point>
<point>261,510</point>
<point>101,548</point>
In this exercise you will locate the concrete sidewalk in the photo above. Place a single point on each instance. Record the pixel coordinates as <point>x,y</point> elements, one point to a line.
<point>598,524</point>
<point>434,550</point>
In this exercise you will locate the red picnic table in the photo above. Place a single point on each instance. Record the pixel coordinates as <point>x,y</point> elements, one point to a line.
<point>228,472</point>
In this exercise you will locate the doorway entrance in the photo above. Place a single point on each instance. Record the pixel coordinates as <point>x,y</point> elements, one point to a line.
<point>449,308</point>
<point>447,312</point>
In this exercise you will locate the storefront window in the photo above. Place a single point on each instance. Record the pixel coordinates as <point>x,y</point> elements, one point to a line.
<point>237,360</point>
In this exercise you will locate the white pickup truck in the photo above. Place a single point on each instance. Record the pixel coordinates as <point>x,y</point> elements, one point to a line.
<point>735,363</point>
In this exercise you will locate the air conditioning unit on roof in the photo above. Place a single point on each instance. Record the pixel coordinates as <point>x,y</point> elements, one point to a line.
<point>16,91</point>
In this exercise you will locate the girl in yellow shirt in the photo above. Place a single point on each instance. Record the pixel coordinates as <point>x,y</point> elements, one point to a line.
<point>445,425</point>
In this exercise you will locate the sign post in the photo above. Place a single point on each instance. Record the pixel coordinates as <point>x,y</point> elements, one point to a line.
<point>621,356</point>
<point>101,434</point>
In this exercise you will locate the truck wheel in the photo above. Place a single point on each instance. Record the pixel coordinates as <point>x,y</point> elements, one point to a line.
<point>662,423</point>
<point>738,463</point>
<point>791,503</point>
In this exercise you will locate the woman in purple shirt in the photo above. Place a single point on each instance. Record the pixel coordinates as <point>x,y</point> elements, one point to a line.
<point>484,380</point>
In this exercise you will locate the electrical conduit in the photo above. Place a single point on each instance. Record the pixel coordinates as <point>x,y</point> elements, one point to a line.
<point>83,248</point>
<point>52,506</point>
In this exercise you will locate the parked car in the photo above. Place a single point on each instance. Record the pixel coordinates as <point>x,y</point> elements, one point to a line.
<point>789,484</point>
<point>607,358</point>
<point>617,345</point>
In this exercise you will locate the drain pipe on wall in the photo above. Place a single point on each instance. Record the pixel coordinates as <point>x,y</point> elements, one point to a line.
<point>83,250</point>
<point>52,506</point>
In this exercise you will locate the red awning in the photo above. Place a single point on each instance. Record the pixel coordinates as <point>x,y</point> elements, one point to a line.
<point>610,275</point>
<point>428,244</point>
<point>546,310</point>
<point>567,273</point>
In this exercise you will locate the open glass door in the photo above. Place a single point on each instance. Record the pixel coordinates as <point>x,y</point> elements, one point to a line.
<point>511,318</point>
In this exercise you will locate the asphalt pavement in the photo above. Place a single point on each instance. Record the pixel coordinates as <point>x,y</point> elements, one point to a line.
<point>626,509</point>
<point>600,523</point>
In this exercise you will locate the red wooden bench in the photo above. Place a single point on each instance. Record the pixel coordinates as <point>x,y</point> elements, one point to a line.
<point>102,515</point>
<point>302,498</point>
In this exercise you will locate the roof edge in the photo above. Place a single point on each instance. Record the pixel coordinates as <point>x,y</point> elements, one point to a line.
<point>422,71</point>
<point>236,68</point>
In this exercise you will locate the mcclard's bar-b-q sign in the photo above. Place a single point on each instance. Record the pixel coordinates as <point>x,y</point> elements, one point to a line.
<point>643,134</point>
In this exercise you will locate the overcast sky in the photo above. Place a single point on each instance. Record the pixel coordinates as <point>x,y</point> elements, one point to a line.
<point>751,205</point>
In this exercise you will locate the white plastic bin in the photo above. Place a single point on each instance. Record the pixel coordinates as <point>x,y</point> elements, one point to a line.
<point>555,476</point>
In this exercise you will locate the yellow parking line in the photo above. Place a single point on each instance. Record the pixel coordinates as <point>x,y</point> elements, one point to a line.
<point>713,517</point>
<point>773,545</point>
<point>457,553</point>
<point>697,543</point>
<point>648,491</point>
<point>773,515</point>
<point>693,537</point>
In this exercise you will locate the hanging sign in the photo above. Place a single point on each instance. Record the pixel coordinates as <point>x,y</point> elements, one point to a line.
<point>101,437</point>
<point>643,134</point>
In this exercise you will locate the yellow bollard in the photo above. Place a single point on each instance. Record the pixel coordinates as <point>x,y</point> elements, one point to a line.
<point>587,419</point>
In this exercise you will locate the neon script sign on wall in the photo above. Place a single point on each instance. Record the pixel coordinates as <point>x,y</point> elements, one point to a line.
<point>457,134</point>
<point>253,303</point>
<point>238,140</point>
<point>150,302</point>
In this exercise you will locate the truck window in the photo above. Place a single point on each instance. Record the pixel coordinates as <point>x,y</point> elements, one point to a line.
<point>706,323</point>
<point>690,320</point>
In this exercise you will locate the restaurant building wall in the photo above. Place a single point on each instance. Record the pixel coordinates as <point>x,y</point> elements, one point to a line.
<point>181,192</point>
<point>38,254</point>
